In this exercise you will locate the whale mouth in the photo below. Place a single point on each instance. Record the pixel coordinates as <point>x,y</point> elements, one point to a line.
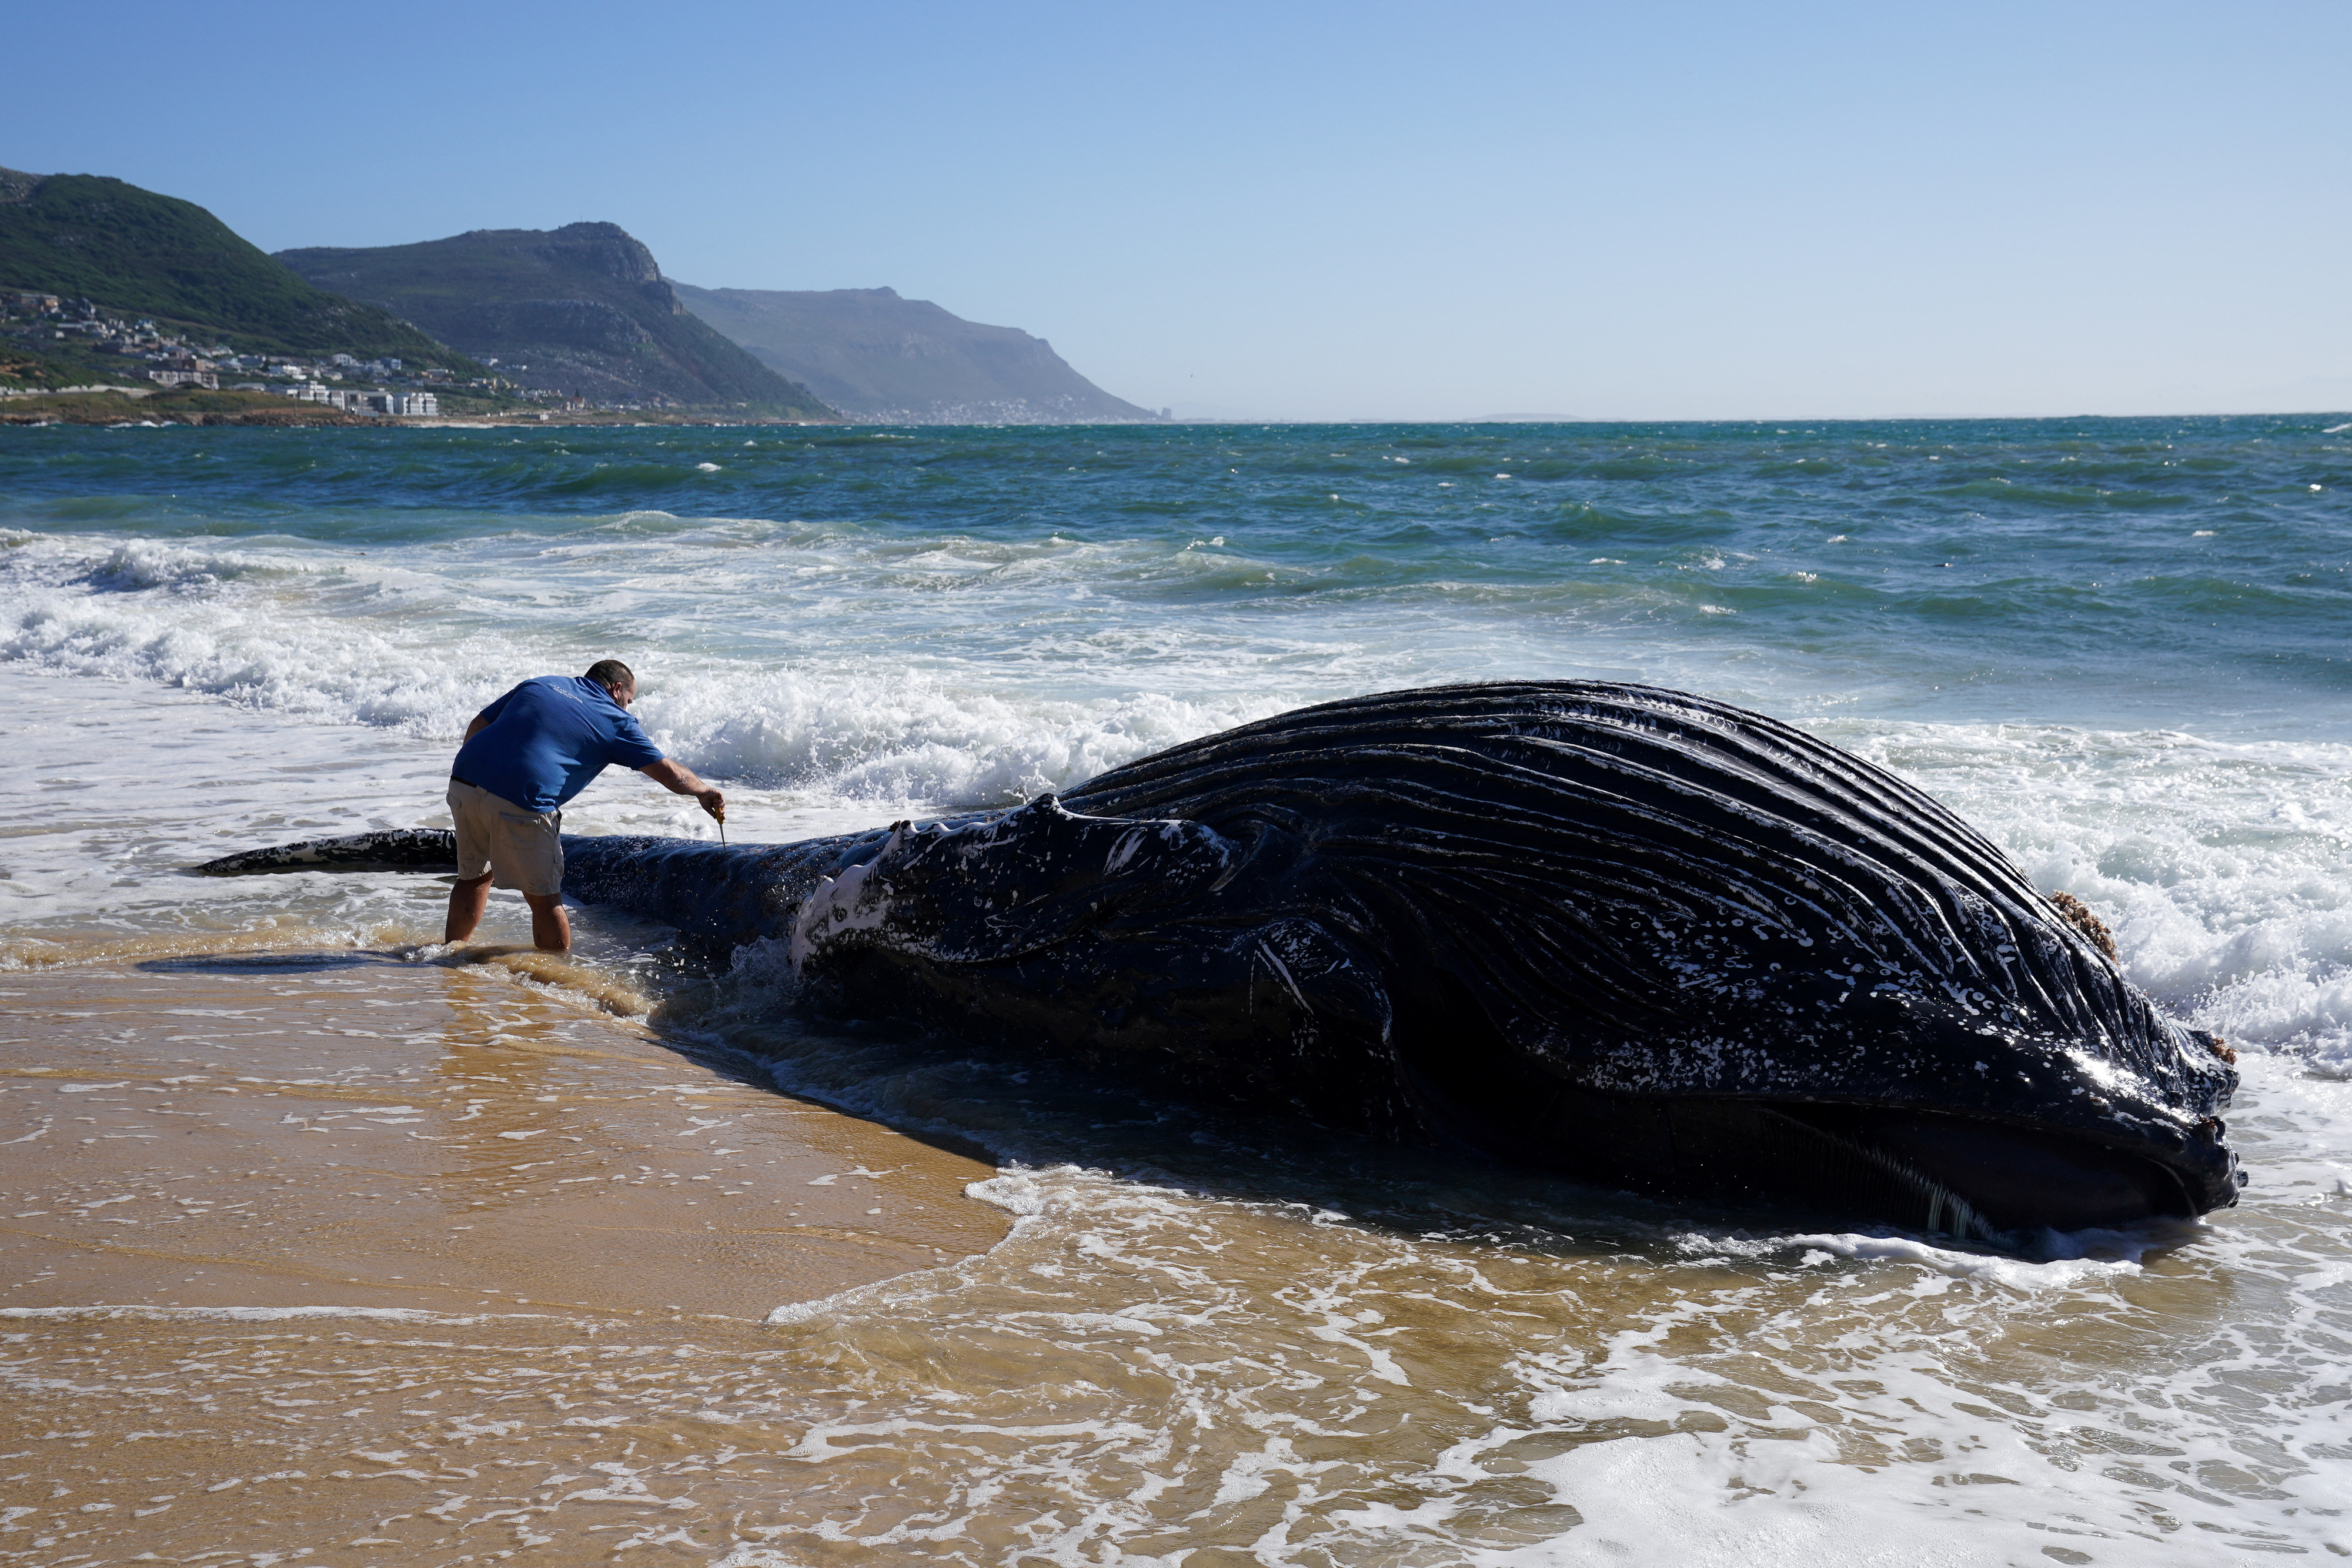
<point>1973,1178</point>
<point>1966,1176</point>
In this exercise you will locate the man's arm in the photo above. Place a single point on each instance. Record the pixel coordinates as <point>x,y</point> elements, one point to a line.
<point>481,722</point>
<point>680,780</point>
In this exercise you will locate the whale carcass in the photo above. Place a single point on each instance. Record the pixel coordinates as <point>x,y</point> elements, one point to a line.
<point>1630,935</point>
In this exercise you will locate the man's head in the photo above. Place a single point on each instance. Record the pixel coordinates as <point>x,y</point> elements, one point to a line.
<point>616,678</point>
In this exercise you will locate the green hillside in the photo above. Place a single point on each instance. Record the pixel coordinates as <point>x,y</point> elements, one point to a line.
<point>582,310</point>
<point>133,251</point>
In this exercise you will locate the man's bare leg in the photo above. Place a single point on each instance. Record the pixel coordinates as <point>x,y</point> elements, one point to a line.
<point>467,899</point>
<point>550,927</point>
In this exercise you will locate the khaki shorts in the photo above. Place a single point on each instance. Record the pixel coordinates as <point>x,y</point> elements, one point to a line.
<point>522,850</point>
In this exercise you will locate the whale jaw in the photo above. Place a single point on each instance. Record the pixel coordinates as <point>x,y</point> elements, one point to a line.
<point>1975,1178</point>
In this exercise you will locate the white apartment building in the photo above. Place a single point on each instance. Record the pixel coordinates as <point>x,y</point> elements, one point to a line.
<point>403,403</point>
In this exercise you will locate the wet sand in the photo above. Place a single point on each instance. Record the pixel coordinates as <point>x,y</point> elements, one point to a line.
<point>271,1224</point>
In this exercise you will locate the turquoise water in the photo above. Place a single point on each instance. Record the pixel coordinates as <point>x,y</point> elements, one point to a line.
<point>2189,573</point>
<point>2119,646</point>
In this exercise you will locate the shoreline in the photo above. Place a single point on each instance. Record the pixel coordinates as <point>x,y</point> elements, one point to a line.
<point>309,417</point>
<point>33,410</point>
<point>1204,1330</point>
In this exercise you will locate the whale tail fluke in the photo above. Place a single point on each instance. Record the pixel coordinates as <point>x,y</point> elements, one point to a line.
<point>392,848</point>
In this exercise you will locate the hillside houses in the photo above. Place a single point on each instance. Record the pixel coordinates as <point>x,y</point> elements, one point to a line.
<point>86,332</point>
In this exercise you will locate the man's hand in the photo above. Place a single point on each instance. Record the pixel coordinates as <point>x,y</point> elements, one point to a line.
<point>680,780</point>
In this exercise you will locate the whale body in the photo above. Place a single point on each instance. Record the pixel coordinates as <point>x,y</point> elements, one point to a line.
<point>1633,935</point>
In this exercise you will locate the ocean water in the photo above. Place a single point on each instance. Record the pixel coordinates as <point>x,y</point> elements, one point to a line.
<point>2119,647</point>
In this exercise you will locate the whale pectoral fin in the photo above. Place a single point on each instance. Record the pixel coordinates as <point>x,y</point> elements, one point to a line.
<point>1288,1014</point>
<point>1320,1025</point>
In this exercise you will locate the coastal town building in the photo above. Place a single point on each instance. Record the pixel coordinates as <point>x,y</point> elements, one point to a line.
<point>405,404</point>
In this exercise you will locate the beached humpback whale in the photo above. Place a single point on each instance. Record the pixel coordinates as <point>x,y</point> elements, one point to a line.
<point>1630,935</point>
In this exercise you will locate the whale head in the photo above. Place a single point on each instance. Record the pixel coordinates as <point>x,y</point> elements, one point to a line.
<point>1626,935</point>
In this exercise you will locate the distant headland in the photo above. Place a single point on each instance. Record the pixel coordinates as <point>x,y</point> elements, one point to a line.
<point>877,357</point>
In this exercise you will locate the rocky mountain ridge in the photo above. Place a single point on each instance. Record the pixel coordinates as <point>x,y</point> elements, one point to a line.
<point>582,310</point>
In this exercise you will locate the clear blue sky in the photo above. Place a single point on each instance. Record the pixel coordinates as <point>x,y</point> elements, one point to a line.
<point>1379,211</point>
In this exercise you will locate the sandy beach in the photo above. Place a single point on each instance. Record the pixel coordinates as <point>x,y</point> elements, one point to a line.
<point>299,1242</point>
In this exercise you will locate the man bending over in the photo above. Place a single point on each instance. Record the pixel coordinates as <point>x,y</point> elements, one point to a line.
<point>525,755</point>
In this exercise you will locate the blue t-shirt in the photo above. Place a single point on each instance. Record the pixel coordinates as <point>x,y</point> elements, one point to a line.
<point>547,739</point>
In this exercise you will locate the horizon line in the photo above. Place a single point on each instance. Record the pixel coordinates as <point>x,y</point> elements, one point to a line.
<point>2345,413</point>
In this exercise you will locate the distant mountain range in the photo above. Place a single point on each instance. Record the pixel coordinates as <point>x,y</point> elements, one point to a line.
<point>582,308</point>
<point>878,357</point>
<point>582,311</point>
<point>86,237</point>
